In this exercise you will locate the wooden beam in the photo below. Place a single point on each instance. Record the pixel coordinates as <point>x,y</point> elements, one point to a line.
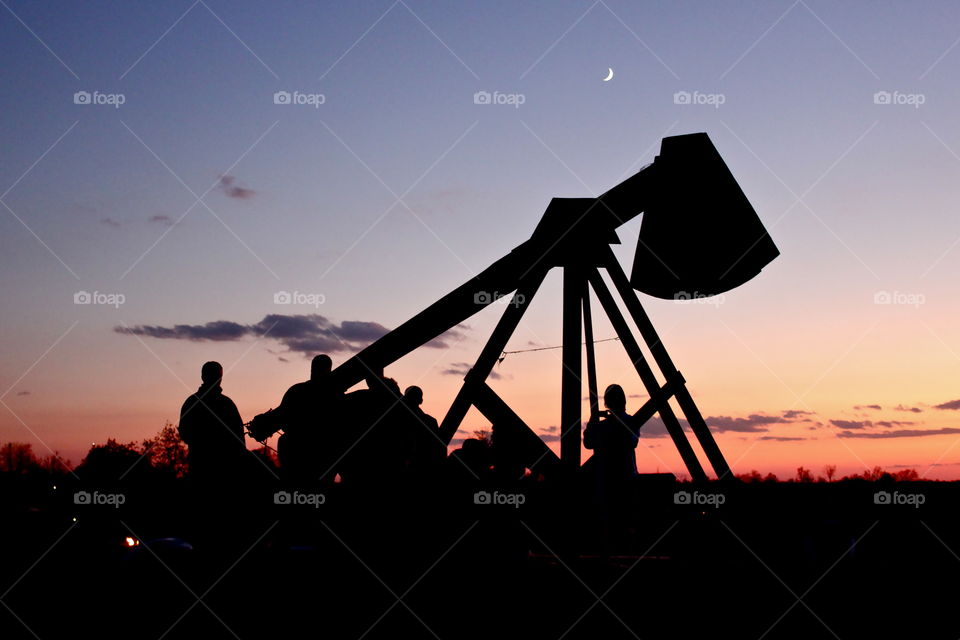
<point>591,355</point>
<point>536,455</point>
<point>571,384</point>
<point>491,353</point>
<point>501,278</point>
<point>651,406</point>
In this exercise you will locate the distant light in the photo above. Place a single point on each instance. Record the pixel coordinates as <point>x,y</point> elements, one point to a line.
<point>54,487</point>
<point>131,542</point>
<point>74,519</point>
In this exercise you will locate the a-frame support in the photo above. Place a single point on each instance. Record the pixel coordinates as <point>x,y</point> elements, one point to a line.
<point>578,279</point>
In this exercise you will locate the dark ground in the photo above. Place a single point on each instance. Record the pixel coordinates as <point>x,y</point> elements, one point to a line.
<point>779,560</point>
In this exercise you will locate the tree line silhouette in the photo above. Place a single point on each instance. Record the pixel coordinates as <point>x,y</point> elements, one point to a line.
<point>165,454</point>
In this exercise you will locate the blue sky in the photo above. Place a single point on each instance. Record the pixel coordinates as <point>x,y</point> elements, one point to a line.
<point>859,196</point>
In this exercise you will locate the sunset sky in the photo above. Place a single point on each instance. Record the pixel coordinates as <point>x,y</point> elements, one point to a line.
<point>149,158</point>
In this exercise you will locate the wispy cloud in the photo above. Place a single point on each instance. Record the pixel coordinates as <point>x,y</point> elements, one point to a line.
<point>228,186</point>
<point>901,407</point>
<point>753,423</point>
<point>851,424</point>
<point>454,335</point>
<point>461,368</point>
<point>862,424</point>
<point>899,433</point>
<point>953,405</point>
<point>654,428</point>
<point>161,219</point>
<point>310,333</point>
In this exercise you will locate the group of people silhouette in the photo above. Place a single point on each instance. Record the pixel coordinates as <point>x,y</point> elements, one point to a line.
<point>369,436</point>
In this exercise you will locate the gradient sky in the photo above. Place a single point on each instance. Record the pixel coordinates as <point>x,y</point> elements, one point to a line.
<point>800,366</point>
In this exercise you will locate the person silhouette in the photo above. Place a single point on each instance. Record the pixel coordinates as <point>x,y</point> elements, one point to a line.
<point>308,448</point>
<point>389,440</point>
<point>212,429</point>
<point>613,438</point>
<point>427,451</point>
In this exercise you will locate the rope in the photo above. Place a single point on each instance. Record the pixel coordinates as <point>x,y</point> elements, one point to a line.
<point>504,354</point>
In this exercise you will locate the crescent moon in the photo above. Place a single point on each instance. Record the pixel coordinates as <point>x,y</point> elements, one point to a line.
<point>609,75</point>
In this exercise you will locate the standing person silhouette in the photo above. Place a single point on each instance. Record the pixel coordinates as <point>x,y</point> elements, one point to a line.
<point>309,447</point>
<point>613,439</point>
<point>427,451</point>
<point>212,429</point>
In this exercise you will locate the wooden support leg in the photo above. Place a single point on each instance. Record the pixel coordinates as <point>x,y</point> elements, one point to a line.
<point>591,356</point>
<point>571,384</point>
<point>491,352</point>
<point>536,455</point>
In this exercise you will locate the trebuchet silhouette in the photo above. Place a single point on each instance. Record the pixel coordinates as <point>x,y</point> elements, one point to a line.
<point>699,236</point>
